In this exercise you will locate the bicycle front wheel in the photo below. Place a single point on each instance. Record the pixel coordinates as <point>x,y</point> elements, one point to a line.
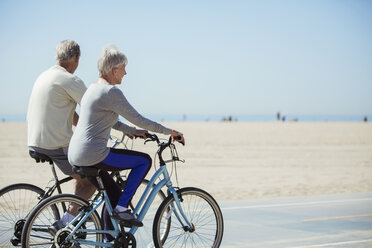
<point>36,232</point>
<point>16,202</point>
<point>203,213</point>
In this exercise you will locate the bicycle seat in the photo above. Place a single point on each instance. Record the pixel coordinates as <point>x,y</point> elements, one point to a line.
<point>86,171</point>
<point>39,157</point>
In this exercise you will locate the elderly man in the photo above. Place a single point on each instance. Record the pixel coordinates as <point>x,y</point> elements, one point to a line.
<point>51,114</point>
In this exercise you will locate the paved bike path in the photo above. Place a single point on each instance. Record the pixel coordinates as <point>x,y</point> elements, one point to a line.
<point>316,221</point>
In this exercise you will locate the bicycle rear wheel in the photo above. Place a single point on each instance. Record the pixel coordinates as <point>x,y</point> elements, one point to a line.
<point>35,231</point>
<point>16,202</point>
<point>200,209</point>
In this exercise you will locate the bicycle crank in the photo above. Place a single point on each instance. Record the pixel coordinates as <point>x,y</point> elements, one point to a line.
<point>125,240</point>
<point>60,239</point>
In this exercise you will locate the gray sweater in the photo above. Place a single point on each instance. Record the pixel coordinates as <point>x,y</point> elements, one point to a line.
<point>100,107</point>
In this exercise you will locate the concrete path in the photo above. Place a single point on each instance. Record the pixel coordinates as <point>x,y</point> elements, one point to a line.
<point>317,221</point>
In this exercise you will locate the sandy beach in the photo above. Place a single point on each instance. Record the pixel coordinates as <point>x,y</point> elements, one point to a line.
<point>239,161</point>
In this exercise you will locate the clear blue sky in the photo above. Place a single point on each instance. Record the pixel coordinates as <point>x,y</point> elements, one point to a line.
<point>201,57</point>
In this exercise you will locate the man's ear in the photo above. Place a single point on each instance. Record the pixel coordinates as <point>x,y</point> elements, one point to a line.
<point>77,58</point>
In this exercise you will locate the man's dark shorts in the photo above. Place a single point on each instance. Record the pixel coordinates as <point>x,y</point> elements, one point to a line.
<point>59,157</point>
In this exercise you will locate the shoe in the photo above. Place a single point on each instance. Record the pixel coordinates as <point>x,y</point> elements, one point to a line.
<point>55,227</point>
<point>126,218</point>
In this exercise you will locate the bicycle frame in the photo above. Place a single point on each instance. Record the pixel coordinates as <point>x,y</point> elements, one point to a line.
<point>142,210</point>
<point>56,185</point>
<point>83,216</point>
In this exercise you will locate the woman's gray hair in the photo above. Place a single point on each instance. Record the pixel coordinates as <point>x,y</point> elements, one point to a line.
<point>109,59</point>
<point>67,50</point>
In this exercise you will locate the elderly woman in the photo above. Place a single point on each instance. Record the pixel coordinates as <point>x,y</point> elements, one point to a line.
<point>100,107</point>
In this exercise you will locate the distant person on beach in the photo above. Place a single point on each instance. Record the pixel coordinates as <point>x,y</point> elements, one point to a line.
<point>365,119</point>
<point>278,116</point>
<point>228,119</point>
<point>101,105</point>
<point>51,114</point>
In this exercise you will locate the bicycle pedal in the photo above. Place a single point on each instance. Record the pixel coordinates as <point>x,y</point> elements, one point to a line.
<point>124,223</point>
<point>126,219</point>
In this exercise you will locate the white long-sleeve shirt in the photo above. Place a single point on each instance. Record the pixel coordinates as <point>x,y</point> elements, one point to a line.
<point>51,108</point>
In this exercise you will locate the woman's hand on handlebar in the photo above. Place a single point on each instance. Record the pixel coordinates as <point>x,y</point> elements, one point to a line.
<point>177,136</point>
<point>140,133</point>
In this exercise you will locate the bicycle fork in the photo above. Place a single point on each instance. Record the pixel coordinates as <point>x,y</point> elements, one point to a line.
<point>178,210</point>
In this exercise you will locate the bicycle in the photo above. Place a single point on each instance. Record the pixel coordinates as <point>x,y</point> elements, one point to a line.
<point>187,217</point>
<point>18,200</point>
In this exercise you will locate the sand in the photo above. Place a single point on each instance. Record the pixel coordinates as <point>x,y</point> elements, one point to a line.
<point>239,161</point>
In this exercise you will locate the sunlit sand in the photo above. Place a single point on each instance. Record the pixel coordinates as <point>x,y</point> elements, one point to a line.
<point>238,161</point>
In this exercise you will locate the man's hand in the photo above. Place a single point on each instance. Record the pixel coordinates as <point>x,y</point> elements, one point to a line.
<point>75,119</point>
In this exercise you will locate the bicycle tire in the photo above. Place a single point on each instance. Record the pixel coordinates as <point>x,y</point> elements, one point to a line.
<point>201,210</point>
<point>16,202</point>
<point>35,230</point>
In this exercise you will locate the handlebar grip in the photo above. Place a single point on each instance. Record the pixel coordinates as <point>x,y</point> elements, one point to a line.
<point>152,137</point>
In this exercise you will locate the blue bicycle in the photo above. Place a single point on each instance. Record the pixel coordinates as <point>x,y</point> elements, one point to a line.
<point>18,200</point>
<point>187,217</point>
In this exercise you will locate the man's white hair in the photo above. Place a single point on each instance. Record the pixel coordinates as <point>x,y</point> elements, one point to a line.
<point>67,50</point>
<point>109,59</point>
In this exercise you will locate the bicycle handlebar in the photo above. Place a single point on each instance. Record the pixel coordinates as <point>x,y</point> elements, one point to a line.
<point>154,137</point>
<point>163,145</point>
